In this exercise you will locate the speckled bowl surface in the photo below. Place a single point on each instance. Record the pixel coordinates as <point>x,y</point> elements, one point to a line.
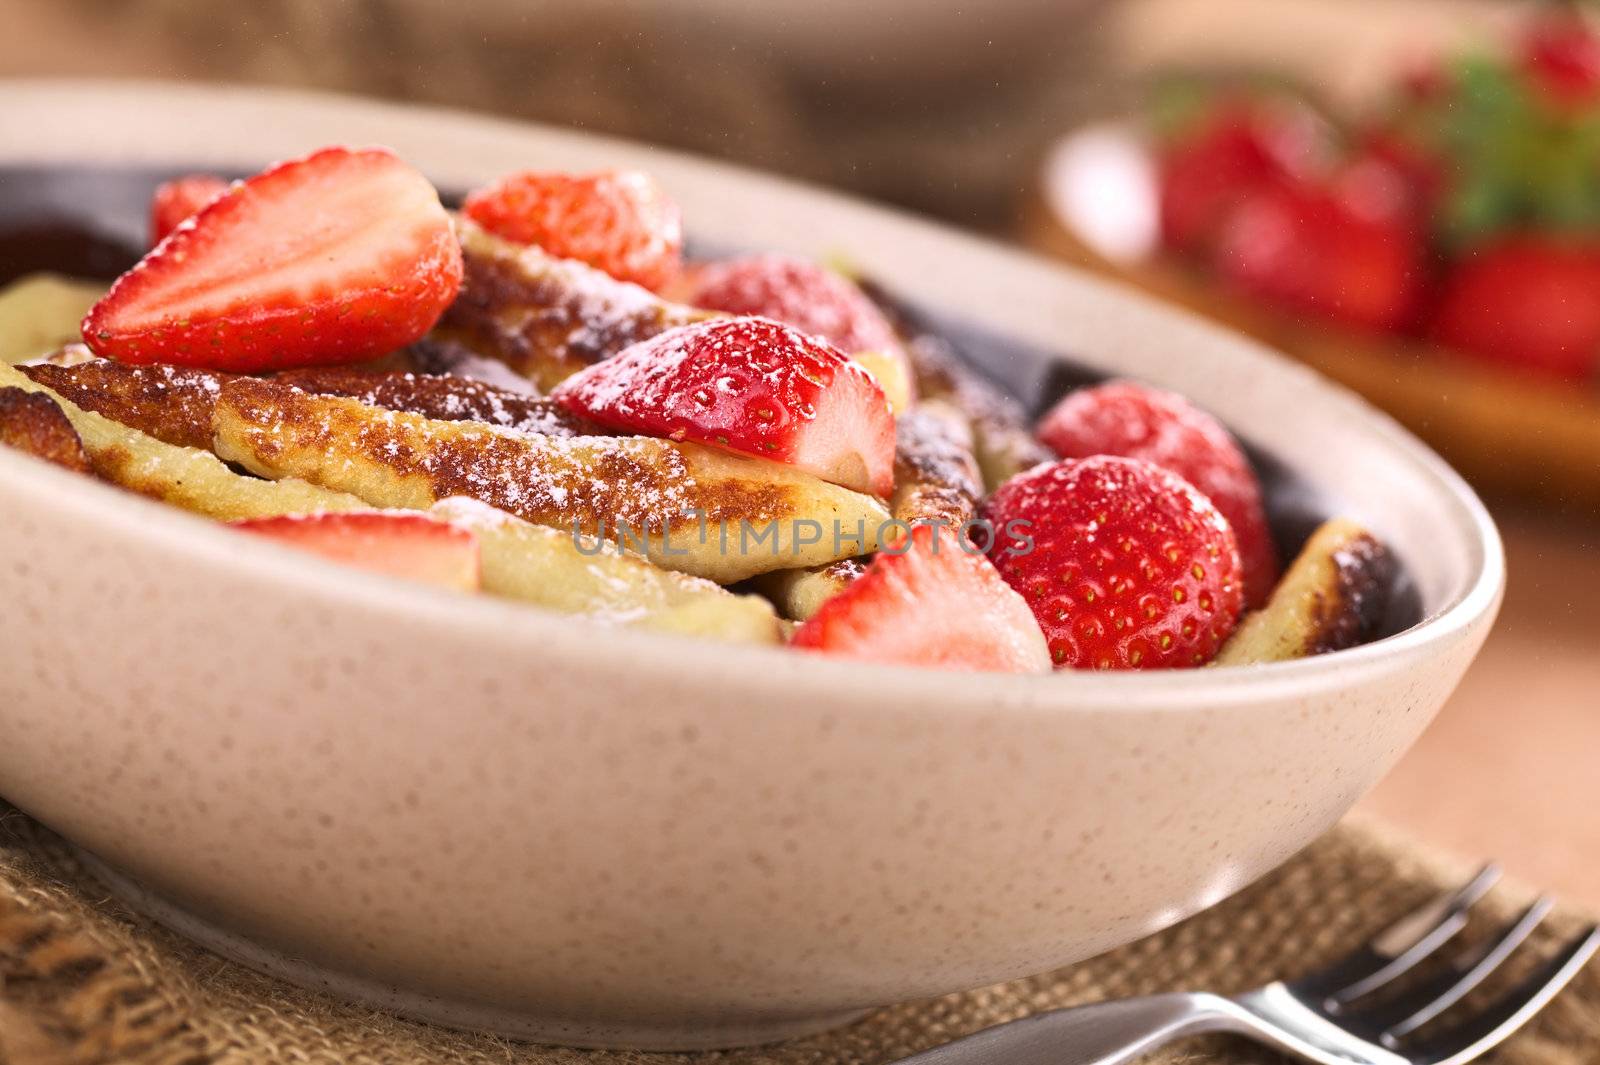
<point>496,817</point>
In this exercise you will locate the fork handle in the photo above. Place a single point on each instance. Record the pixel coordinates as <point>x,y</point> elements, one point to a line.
<point>1104,1033</point>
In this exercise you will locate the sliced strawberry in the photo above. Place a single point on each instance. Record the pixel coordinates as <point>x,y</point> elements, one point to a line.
<point>752,386</point>
<point>1131,420</point>
<point>932,602</point>
<point>394,543</point>
<point>335,258</point>
<point>180,199</point>
<point>1528,302</point>
<point>619,221</point>
<point>1125,564</point>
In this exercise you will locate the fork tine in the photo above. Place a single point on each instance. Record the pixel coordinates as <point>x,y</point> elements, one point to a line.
<point>1422,1004</point>
<point>1400,946</point>
<point>1466,1041</point>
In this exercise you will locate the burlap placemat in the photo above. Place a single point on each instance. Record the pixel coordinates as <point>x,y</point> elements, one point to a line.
<point>82,980</point>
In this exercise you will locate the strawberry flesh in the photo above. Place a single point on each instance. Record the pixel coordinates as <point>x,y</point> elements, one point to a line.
<point>1124,564</point>
<point>619,221</point>
<point>393,543</point>
<point>342,256</point>
<point>751,386</point>
<point>1128,419</point>
<point>178,200</point>
<point>932,602</point>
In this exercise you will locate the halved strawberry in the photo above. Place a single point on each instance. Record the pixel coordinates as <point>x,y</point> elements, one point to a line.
<point>619,221</point>
<point>748,385</point>
<point>338,257</point>
<point>394,543</point>
<point>932,602</point>
<point>180,199</point>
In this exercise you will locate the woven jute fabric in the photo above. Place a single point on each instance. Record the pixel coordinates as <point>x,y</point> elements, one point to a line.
<point>83,980</point>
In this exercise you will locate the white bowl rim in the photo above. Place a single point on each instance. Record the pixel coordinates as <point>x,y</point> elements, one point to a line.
<point>501,621</point>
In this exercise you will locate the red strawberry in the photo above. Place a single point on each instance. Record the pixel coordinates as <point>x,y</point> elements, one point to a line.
<point>1351,254</point>
<point>1561,55</point>
<point>338,257</point>
<point>180,199</point>
<point>1127,419</point>
<point>1239,148</point>
<point>394,543</point>
<point>1126,565</point>
<point>797,292</point>
<point>748,385</point>
<point>1385,155</point>
<point>1527,301</point>
<point>619,221</point>
<point>932,602</point>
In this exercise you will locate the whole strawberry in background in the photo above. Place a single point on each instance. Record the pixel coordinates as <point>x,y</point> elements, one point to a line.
<point>1512,135</point>
<point>619,221</point>
<point>1348,249</point>
<point>341,256</point>
<point>1560,54</point>
<point>1124,564</point>
<point>1135,421</point>
<point>1529,302</point>
<point>1234,148</point>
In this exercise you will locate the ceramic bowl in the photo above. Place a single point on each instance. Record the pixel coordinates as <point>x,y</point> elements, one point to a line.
<point>493,817</point>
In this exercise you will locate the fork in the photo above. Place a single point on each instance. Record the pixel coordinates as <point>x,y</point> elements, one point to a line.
<point>1330,1017</point>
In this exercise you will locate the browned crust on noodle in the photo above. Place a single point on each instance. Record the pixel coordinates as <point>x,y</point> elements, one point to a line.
<point>846,569</point>
<point>545,317</point>
<point>999,424</point>
<point>568,483</point>
<point>175,404</point>
<point>936,477</point>
<point>445,398</point>
<point>1003,439</point>
<point>33,423</point>
<point>1353,609</point>
<point>1334,595</point>
<point>171,403</point>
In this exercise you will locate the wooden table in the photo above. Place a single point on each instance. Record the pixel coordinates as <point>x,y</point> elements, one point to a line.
<point>1511,767</point>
